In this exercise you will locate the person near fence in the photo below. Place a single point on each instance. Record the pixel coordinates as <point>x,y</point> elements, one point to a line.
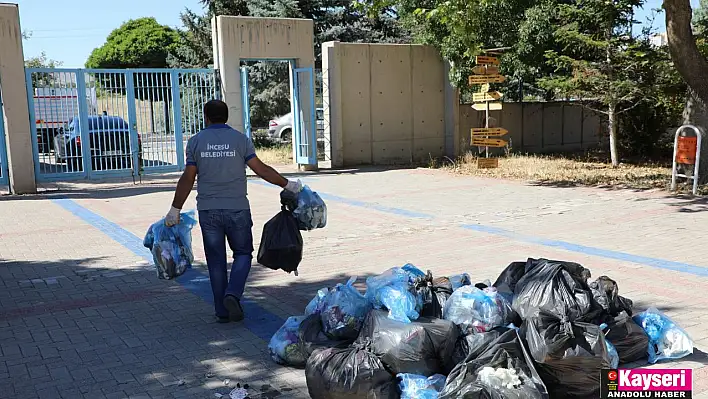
<point>219,154</point>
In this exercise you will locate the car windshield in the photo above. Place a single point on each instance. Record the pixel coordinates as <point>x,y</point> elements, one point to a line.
<point>107,123</point>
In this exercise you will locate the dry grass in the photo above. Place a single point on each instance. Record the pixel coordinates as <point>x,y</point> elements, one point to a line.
<point>276,155</point>
<point>575,171</point>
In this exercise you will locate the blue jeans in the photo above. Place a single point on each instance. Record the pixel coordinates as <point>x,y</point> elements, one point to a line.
<point>218,226</point>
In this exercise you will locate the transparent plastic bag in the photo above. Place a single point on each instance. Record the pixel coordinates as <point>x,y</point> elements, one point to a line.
<point>614,356</point>
<point>171,247</point>
<point>476,310</point>
<point>414,386</point>
<point>666,339</point>
<point>284,345</point>
<point>316,305</point>
<point>311,211</point>
<point>344,311</point>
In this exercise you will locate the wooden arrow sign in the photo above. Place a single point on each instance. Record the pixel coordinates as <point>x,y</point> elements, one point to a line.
<point>484,88</point>
<point>489,96</point>
<point>488,142</point>
<point>485,70</point>
<point>484,60</point>
<point>483,106</point>
<point>489,131</point>
<point>482,79</point>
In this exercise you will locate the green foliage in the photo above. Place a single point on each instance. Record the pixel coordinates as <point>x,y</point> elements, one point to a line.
<point>269,81</point>
<point>138,43</point>
<point>41,61</point>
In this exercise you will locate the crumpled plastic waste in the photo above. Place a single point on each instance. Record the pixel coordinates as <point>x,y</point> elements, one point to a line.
<point>476,310</point>
<point>284,346</point>
<point>399,301</point>
<point>311,211</point>
<point>666,339</point>
<point>606,294</point>
<point>344,311</point>
<point>238,393</point>
<point>405,275</point>
<point>499,378</point>
<point>171,247</point>
<point>414,386</point>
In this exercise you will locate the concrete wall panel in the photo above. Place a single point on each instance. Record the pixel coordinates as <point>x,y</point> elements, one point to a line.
<point>572,125</point>
<point>553,125</point>
<point>392,152</point>
<point>533,127</point>
<point>18,137</point>
<point>354,62</point>
<point>391,93</point>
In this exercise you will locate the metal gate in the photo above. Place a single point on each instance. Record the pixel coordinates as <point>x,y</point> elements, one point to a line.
<point>95,123</point>
<point>3,153</point>
<point>304,120</point>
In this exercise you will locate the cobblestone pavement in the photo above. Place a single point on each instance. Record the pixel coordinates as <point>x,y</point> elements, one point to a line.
<point>83,314</point>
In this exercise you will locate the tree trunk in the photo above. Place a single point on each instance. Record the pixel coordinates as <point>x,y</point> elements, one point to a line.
<point>693,67</point>
<point>612,127</point>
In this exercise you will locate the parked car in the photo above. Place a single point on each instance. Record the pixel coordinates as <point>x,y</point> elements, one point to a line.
<point>109,143</point>
<point>282,128</point>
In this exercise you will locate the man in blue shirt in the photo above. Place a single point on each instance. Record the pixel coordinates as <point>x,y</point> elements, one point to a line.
<point>219,155</point>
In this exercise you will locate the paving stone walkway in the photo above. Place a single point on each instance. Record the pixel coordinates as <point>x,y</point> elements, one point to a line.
<point>83,314</point>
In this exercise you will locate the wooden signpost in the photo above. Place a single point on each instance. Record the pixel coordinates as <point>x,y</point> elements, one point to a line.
<point>486,72</point>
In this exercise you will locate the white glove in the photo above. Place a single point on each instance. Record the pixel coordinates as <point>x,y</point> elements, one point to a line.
<point>172,218</point>
<point>294,186</point>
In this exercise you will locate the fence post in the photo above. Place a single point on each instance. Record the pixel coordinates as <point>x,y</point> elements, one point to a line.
<point>86,160</point>
<point>177,111</point>
<point>32,124</point>
<point>133,120</point>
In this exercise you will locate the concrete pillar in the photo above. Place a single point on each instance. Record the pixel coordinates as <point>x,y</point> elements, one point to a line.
<point>248,38</point>
<point>452,117</point>
<point>20,157</point>
<point>332,101</point>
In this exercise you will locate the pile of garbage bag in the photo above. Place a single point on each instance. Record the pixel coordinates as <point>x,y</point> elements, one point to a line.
<point>171,247</point>
<point>542,330</point>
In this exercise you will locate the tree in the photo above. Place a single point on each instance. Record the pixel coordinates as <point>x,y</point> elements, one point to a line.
<point>42,79</point>
<point>138,43</point>
<point>692,66</point>
<point>333,20</point>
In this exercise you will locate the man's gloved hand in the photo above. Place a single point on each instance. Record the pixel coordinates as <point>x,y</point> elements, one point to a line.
<point>172,218</point>
<point>294,186</point>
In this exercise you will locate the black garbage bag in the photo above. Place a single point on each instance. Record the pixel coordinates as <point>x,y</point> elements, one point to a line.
<point>556,288</point>
<point>432,294</point>
<point>606,294</point>
<point>312,337</point>
<point>422,347</point>
<point>569,355</point>
<point>506,282</point>
<point>628,337</point>
<point>281,243</point>
<point>475,343</point>
<point>470,379</point>
<point>348,373</point>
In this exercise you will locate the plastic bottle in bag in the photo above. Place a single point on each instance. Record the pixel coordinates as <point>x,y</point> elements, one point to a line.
<point>477,310</point>
<point>171,247</point>
<point>284,345</point>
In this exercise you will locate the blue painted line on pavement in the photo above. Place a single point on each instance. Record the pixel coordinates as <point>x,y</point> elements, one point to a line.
<point>258,320</point>
<point>582,249</point>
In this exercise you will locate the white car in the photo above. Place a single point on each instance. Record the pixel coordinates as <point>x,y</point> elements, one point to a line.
<point>282,128</point>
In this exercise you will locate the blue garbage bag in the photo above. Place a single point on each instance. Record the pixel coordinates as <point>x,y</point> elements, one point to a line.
<point>171,247</point>
<point>400,302</point>
<point>344,311</point>
<point>395,275</point>
<point>460,280</point>
<point>316,305</point>
<point>284,345</point>
<point>666,339</point>
<point>476,310</point>
<point>311,211</point>
<point>414,386</point>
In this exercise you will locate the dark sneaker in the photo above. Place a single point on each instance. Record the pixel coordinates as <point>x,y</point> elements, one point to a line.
<point>233,305</point>
<point>222,320</point>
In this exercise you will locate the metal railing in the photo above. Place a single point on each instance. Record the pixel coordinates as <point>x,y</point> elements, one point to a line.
<point>104,122</point>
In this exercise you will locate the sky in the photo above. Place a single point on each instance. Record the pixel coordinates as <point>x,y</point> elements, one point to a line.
<point>68,30</point>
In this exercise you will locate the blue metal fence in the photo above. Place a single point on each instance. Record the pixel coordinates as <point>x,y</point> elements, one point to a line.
<point>95,123</point>
<point>3,152</point>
